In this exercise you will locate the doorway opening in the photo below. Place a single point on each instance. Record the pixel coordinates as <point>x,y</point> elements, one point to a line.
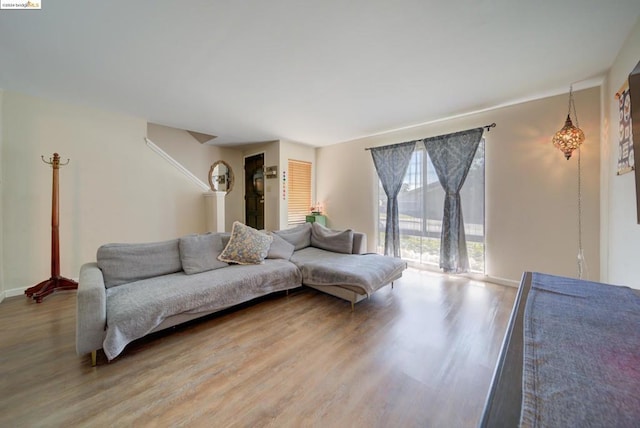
<point>254,191</point>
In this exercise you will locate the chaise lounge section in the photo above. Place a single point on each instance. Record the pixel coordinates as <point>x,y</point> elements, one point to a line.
<point>352,277</point>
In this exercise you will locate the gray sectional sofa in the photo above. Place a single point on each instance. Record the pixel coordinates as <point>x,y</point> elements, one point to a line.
<point>136,289</point>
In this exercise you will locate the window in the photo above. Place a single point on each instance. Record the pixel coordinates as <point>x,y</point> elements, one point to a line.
<point>299,191</point>
<point>421,205</point>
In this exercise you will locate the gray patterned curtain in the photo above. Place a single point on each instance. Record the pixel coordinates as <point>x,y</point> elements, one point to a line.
<point>391,163</point>
<point>452,155</point>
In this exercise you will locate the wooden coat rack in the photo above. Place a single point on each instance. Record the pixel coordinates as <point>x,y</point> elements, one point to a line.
<point>56,282</point>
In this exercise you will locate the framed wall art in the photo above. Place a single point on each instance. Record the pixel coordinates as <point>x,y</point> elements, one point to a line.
<point>626,161</point>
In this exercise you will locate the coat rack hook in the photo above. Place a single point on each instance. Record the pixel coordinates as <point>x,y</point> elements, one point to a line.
<point>55,161</point>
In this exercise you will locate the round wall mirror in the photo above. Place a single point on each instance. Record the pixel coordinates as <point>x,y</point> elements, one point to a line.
<point>221,177</point>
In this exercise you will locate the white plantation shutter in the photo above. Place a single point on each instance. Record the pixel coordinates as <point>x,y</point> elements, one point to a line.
<point>299,191</point>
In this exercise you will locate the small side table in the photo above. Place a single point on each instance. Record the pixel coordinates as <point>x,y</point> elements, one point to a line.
<point>317,218</point>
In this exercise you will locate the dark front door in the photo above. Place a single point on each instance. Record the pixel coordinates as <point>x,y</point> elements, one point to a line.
<point>254,191</point>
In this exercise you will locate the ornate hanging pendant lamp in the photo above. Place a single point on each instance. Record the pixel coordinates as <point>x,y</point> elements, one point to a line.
<point>570,137</point>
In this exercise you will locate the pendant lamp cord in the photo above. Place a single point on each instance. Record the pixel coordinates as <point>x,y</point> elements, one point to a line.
<point>580,251</point>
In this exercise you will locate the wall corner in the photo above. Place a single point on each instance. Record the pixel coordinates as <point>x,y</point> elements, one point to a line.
<point>2,286</point>
<point>605,178</point>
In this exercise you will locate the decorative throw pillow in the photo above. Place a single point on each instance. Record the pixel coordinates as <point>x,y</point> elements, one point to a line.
<point>280,249</point>
<point>247,245</point>
<point>299,236</point>
<point>199,253</point>
<point>338,241</point>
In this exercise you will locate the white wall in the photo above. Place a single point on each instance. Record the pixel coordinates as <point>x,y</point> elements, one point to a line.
<point>620,231</point>
<point>198,158</point>
<point>115,188</point>
<point>531,190</point>
<point>188,151</point>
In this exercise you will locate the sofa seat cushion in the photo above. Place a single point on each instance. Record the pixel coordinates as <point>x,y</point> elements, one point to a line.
<point>136,308</point>
<point>362,273</point>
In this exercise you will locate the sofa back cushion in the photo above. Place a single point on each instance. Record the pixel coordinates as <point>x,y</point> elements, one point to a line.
<point>199,253</point>
<point>338,241</point>
<point>299,236</point>
<point>280,249</point>
<point>226,237</point>
<point>123,263</point>
<point>359,243</point>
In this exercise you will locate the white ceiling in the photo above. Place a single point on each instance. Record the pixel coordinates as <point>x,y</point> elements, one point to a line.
<point>317,72</point>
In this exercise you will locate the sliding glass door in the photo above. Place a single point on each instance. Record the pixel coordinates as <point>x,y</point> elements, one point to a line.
<point>421,205</point>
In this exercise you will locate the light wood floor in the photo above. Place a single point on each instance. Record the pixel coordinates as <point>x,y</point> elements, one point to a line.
<point>419,355</point>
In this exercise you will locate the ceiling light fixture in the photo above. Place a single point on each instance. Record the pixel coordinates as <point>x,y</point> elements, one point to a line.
<point>570,137</point>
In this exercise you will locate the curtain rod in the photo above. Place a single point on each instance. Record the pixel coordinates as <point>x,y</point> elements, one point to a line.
<point>487,127</point>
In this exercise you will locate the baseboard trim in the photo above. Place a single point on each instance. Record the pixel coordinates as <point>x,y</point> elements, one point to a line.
<point>14,292</point>
<point>473,276</point>
<point>499,281</point>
